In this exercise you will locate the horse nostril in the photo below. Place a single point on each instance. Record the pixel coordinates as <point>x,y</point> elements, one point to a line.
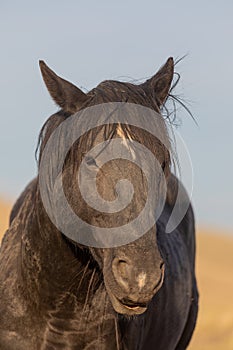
<point>121,271</point>
<point>122,268</point>
<point>160,281</point>
<point>121,261</point>
<point>162,265</point>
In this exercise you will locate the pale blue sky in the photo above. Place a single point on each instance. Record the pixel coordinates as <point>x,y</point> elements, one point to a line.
<point>87,42</point>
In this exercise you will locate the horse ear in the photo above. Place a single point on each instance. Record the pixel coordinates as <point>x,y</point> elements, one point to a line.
<point>65,94</point>
<point>159,85</point>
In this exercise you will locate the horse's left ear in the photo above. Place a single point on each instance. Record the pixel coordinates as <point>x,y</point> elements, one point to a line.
<point>159,85</point>
<point>68,96</point>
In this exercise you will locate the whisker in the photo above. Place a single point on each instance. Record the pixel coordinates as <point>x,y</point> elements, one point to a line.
<point>86,302</point>
<point>116,330</point>
<point>85,270</point>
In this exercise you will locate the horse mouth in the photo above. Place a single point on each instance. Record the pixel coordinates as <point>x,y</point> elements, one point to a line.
<point>127,306</point>
<point>131,308</point>
<point>131,305</point>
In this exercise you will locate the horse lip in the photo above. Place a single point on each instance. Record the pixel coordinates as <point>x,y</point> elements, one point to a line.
<point>130,304</point>
<point>119,306</point>
<point>138,307</point>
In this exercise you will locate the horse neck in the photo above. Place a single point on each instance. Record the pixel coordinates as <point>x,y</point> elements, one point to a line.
<point>49,266</point>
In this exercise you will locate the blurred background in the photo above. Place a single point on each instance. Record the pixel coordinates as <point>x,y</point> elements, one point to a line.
<point>87,42</point>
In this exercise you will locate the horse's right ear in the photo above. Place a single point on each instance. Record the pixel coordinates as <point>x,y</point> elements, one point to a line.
<point>159,85</point>
<point>65,94</point>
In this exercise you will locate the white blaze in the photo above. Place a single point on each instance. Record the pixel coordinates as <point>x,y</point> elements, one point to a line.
<point>141,279</point>
<point>125,140</point>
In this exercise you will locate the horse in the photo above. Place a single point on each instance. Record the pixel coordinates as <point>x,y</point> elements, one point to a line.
<point>57,293</point>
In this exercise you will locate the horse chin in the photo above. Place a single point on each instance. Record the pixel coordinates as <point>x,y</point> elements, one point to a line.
<point>125,309</point>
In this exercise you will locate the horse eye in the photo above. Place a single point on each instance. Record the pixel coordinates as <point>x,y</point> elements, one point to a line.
<point>90,161</point>
<point>163,165</point>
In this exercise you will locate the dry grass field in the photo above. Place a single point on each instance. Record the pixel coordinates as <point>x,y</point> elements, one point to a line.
<point>215,279</point>
<point>5,208</point>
